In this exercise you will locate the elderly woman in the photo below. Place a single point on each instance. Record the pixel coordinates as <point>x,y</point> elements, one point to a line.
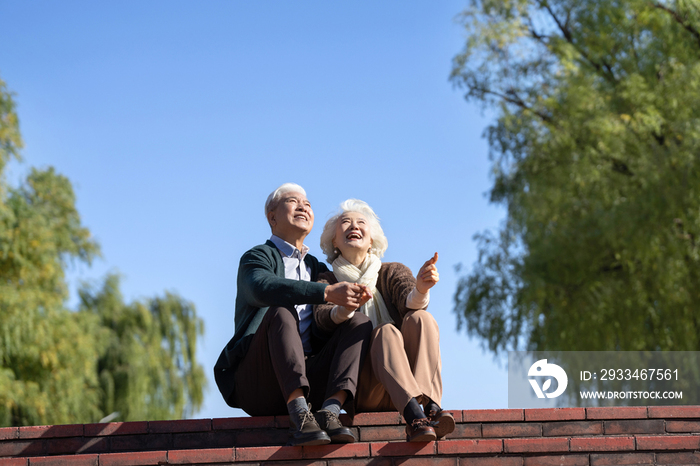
<point>402,369</point>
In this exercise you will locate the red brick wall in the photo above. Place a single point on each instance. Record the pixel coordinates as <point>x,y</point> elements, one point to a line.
<point>568,436</point>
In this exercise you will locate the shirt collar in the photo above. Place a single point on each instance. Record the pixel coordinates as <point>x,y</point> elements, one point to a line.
<point>287,249</point>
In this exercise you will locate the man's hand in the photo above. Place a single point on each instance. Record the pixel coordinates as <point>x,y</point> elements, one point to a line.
<point>428,275</point>
<point>348,295</point>
<point>366,295</point>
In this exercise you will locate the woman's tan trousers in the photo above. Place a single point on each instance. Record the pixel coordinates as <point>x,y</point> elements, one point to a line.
<point>401,364</point>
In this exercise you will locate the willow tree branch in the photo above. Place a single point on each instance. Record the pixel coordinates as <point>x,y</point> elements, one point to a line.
<point>512,97</point>
<point>604,69</point>
<point>679,19</point>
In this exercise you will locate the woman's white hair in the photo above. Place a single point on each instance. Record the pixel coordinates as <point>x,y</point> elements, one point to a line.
<point>379,241</point>
<point>274,197</point>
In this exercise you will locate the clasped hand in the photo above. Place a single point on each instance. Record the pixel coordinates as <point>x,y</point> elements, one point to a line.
<point>349,295</point>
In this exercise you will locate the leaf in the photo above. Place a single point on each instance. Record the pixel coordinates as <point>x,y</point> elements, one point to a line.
<point>594,157</point>
<point>546,385</point>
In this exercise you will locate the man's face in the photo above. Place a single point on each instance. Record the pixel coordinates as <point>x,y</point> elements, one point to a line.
<point>292,216</point>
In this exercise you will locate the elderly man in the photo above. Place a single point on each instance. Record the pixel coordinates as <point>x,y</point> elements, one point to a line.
<point>277,355</point>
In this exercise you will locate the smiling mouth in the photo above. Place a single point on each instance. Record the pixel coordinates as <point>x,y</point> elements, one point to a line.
<point>303,217</point>
<point>354,236</point>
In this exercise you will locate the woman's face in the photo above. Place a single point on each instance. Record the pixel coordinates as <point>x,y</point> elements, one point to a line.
<point>352,236</point>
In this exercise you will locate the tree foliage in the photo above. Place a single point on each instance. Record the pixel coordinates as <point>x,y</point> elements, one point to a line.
<point>595,157</point>
<point>147,369</point>
<point>61,366</point>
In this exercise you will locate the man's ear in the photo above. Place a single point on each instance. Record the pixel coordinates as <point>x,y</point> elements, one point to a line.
<point>271,218</point>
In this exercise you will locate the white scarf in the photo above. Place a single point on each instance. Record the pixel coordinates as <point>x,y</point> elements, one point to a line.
<point>366,274</point>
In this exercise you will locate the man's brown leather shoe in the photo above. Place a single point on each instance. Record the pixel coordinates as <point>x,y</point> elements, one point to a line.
<point>304,430</point>
<point>442,422</point>
<point>329,422</point>
<point>420,431</point>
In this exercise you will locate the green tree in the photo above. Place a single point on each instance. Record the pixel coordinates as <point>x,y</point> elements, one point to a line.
<point>595,157</point>
<point>148,368</point>
<point>62,366</point>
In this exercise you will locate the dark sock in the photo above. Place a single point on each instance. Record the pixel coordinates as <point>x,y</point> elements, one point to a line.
<point>432,406</point>
<point>332,405</point>
<point>413,411</point>
<point>297,406</point>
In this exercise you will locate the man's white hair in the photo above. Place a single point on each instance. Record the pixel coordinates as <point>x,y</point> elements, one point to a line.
<point>379,241</point>
<point>274,197</point>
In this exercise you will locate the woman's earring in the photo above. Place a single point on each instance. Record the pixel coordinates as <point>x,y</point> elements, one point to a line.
<point>336,252</point>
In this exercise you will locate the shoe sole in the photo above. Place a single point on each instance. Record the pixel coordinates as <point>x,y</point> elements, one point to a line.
<point>343,438</point>
<point>443,425</point>
<point>428,437</point>
<point>320,440</point>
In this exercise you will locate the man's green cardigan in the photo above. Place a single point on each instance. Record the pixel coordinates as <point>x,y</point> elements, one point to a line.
<point>261,285</point>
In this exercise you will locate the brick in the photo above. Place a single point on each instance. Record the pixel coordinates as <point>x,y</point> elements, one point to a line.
<point>641,426</point>
<point>602,444</point>
<point>23,448</point>
<point>351,450</point>
<point>374,419</point>
<point>279,463</point>
<point>455,447</point>
<point>183,425</point>
<point>282,422</point>
<point>492,461</point>
<point>511,430</point>
<point>683,426</point>
<point>669,442</point>
<point>465,431</point>
<point>383,433</point>
<point>70,460</point>
<point>137,458</point>
<point>525,445</point>
<point>674,411</point>
<point>611,459</point>
<point>555,414</point>
<point>259,438</point>
<point>9,433</point>
<point>561,429</point>
<point>267,453</point>
<point>456,413</point>
<point>492,415</point>
<point>378,461</point>
<point>116,428</point>
<point>210,455</point>
<point>14,461</point>
<point>402,448</point>
<point>682,457</point>
<point>64,446</point>
<point>255,422</point>
<point>213,439</point>
<point>95,445</point>
<point>71,430</point>
<point>617,412</point>
<point>556,460</point>
<point>275,463</point>
<point>422,461</point>
<point>148,442</point>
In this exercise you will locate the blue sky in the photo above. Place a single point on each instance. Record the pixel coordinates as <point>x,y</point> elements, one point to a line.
<point>174,121</point>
